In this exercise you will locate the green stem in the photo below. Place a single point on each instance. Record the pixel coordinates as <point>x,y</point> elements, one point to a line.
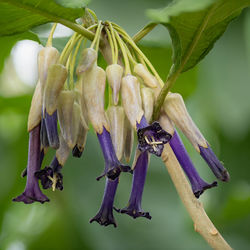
<point>114,41</point>
<point>143,32</point>
<point>50,38</point>
<point>111,44</point>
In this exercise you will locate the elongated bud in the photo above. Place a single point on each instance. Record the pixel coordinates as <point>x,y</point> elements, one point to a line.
<point>80,141</point>
<point>175,108</point>
<point>46,57</point>
<point>93,88</point>
<point>148,79</point>
<point>62,153</point>
<point>57,75</point>
<point>83,110</point>
<point>166,123</point>
<point>128,139</point>
<point>87,60</point>
<point>69,116</point>
<point>131,99</point>
<point>114,75</point>
<point>147,102</point>
<point>116,116</point>
<point>35,108</point>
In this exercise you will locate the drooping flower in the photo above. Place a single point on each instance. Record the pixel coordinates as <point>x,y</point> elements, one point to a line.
<point>32,190</point>
<point>133,208</point>
<point>197,183</point>
<point>105,215</point>
<point>176,110</point>
<point>113,167</point>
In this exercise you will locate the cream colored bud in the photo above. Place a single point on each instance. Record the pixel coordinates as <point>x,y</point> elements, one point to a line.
<point>114,75</point>
<point>87,60</point>
<point>147,102</point>
<point>66,116</point>
<point>62,153</point>
<point>93,88</point>
<point>35,108</point>
<point>148,79</point>
<point>46,57</point>
<point>175,108</point>
<point>81,138</point>
<point>166,123</point>
<point>128,139</point>
<point>131,99</point>
<point>116,116</point>
<point>57,75</point>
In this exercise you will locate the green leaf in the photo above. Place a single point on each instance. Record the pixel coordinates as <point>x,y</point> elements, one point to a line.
<point>7,42</point>
<point>17,16</point>
<point>194,27</point>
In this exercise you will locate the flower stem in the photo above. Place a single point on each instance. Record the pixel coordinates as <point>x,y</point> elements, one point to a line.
<point>50,38</point>
<point>202,223</point>
<point>144,31</point>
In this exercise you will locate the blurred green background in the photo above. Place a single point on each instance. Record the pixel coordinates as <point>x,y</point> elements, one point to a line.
<point>217,95</point>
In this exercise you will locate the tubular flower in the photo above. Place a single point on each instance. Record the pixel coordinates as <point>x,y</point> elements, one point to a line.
<point>198,185</point>
<point>176,110</point>
<point>32,190</point>
<point>133,208</point>
<point>113,166</point>
<point>105,215</point>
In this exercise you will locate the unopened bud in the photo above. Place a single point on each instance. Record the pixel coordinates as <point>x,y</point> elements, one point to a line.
<point>62,153</point>
<point>166,123</point>
<point>87,60</point>
<point>116,116</point>
<point>148,79</point>
<point>57,75</point>
<point>128,139</point>
<point>46,57</point>
<point>66,116</point>
<point>131,99</point>
<point>175,108</point>
<point>147,102</point>
<point>35,108</point>
<point>114,75</point>
<point>93,88</point>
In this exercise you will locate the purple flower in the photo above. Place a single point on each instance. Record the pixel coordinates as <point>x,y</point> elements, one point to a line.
<point>139,176</point>
<point>215,165</point>
<point>51,176</point>
<point>151,138</point>
<point>198,185</point>
<point>32,190</point>
<point>105,215</point>
<point>113,166</point>
<point>50,122</point>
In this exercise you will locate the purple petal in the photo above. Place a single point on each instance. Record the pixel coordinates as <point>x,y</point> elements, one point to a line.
<point>113,167</point>
<point>105,215</point>
<point>215,165</point>
<point>32,190</point>
<point>197,183</point>
<point>51,128</point>
<point>152,137</point>
<point>134,205</point>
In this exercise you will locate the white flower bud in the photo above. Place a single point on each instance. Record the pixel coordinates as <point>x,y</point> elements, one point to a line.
<point>147,102</point>
<point>116,116</point>
<point>166,123</point>
<point>93,88</point>
<point>68,116</point>
<point>87,60</point>
<point>175,108</point>
<point>62,153</point>
<point>57,75</point>
<point>148,79</point>
<point>46,57</point>
<point>131,99</point>
<point>35,108</point>
<point>114,75</point>
<point>128,139</point>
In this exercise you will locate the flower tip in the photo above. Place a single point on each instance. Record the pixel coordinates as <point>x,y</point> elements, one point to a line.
<point>103,221</point>
<point>76,152</point>
<point>28,200</point>
<point>198,193</point>
<point>134,213</point>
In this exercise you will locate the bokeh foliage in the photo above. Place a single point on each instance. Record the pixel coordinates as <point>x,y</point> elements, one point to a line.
<point>217,95</point>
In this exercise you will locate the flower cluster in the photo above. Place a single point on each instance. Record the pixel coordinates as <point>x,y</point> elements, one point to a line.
<point>74,97</point>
